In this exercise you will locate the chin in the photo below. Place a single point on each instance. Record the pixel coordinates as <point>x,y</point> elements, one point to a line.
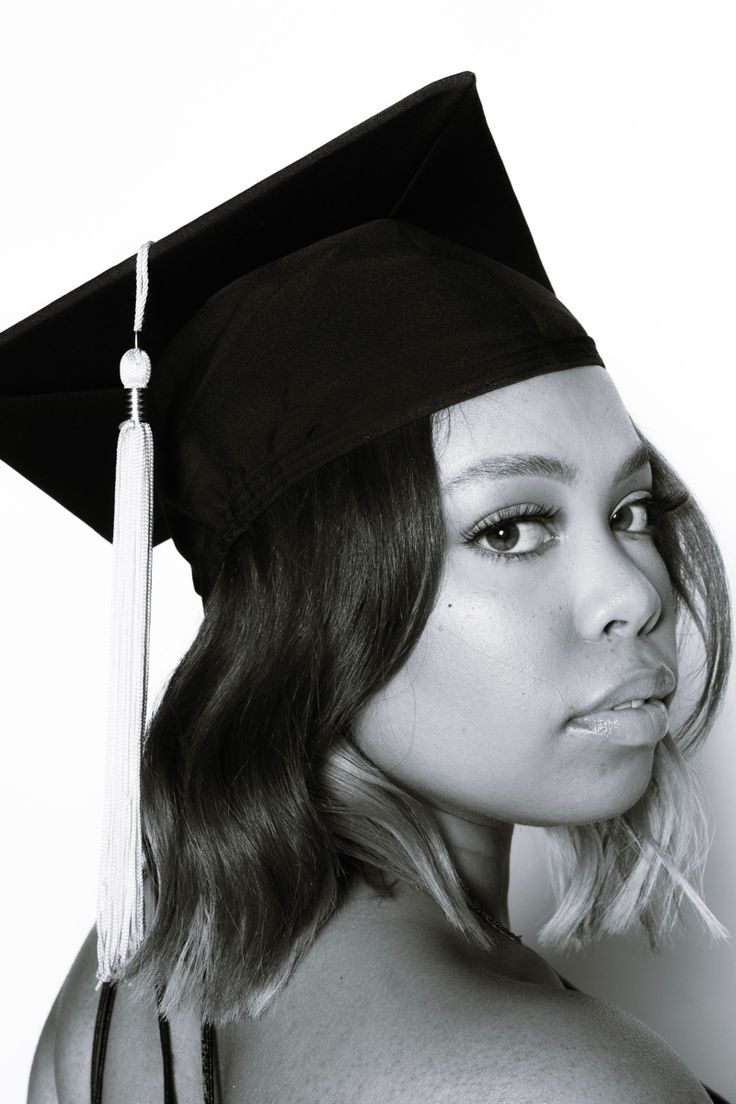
<point>625,798</point>
<point>599,803</point>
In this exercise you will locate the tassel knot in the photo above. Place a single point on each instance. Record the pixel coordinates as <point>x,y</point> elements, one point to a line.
<point>135,368</point>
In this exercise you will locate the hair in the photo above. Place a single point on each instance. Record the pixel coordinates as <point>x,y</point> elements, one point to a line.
<point>258,807</point>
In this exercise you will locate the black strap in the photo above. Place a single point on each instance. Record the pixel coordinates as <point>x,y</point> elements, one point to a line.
<point>99,1047</point>
<point>99,1043</point>
<point>207,1051</point>
<point>164,1035</point>
<point>208,1065</point>
<point>715,1097</point>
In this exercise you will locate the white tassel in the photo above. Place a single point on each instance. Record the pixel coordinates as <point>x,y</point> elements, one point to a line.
<point>120,916</point>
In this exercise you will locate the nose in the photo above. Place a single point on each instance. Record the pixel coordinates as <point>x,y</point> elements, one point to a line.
<point>619,586</point>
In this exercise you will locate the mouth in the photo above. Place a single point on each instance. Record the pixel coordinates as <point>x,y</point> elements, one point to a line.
<point>643,723</point>
<point>643,686</point>
<point>635,703</point>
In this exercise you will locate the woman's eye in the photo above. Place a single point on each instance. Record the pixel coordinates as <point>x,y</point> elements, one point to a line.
<point>645,507</point>
<point>518,532</point>
<point>513,537</point>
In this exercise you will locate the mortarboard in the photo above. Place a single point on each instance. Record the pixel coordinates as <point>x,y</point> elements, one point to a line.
<point>386,275</point>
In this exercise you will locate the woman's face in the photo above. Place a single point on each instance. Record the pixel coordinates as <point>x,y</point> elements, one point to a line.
<point>476,722</point>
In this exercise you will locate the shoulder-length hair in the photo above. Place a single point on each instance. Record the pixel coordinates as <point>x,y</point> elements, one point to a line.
<point>258,807</point>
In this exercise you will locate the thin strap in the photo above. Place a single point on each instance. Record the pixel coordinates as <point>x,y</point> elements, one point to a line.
<point>208,1067</point>
<point>566,983</point>
<point>99,1043</point>
<point>715,1097</point>
<point>164,1035</point>
<point>105,1004</point>
<point>208,1070</point>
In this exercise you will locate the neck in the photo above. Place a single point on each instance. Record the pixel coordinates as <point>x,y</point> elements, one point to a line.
<point>481,853</point>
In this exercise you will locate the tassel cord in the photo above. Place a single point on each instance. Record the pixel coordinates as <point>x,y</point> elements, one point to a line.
<point>120,912</point>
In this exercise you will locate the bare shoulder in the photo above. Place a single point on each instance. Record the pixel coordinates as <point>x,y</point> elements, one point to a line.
<point>62,1066</point>
<point>413,1015</point>
<point>518,1044</point>
<point>42,1078</point>
<point>74,1007</point>
<point>64,1058</point>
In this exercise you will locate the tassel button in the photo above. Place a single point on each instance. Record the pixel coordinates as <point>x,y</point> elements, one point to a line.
<point>135,368</point>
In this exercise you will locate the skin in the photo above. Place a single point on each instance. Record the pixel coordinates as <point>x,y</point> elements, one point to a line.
<point>474,724</point>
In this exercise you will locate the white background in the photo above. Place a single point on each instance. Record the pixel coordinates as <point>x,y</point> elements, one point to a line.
<point>122,123</point>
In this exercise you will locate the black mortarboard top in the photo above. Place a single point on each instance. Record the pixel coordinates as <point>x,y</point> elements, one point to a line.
<point>386,275</point>
<point>428,160</point>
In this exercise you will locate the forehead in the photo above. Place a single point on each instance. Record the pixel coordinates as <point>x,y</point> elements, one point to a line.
<point>576,415</point>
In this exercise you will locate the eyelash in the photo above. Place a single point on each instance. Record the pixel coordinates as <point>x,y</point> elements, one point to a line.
<point>656,505</point>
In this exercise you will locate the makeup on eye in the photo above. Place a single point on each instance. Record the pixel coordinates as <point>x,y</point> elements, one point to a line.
<point>513,517</point>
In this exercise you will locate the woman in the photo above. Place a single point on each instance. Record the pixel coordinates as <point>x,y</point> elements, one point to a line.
<point>419,637</point>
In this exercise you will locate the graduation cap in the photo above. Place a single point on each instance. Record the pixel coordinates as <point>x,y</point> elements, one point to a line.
<point>386,275</point>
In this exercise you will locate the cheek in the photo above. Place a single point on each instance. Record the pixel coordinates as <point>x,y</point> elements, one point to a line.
<point>473,714</point>
<point>487,661</point>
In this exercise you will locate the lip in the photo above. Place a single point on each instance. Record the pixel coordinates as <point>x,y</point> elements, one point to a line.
<point>646,683</point>
<point>644,725</point>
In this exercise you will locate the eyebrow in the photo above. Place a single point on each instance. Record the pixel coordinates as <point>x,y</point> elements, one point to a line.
<point>549,467</point>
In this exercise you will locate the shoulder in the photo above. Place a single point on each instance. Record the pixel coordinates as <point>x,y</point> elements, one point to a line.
<point>133,1030</point>
<point>42,1078</point>
<point>71,1006</point>
<point>411,1017</point>
<point>62,1065</point>
<point>452,1025</point>
<point>521,1043</point>
<point>63,1056</point>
